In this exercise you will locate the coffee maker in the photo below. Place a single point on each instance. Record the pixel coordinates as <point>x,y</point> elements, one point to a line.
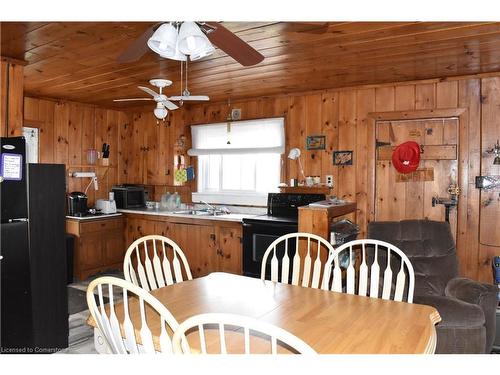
<point>77,204</point>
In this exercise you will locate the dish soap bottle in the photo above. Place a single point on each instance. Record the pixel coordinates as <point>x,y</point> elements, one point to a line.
<point>177,200</point>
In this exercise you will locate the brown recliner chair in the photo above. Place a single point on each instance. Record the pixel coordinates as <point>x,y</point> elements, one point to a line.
<point>467,307</point>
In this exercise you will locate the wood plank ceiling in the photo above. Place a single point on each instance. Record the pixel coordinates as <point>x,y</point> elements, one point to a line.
<point>76,61</point>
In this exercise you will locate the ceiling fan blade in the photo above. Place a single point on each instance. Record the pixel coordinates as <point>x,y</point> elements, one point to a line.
<point>233,45</point>
<point>147,90</point>
<point>203,98</point>
<point>169,105</point>
<point>131,99</point>
<point>137,48</point>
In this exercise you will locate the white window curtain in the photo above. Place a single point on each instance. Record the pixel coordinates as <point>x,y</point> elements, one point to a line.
<point>240,137</point>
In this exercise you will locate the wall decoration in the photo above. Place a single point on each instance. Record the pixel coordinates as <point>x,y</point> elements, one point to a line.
<point>315,142</point>
<point>342,158</point>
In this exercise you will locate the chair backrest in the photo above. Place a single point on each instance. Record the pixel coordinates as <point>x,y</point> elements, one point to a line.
<point>241,330</point>
<point>389,284</point>
<point>149,264</point>
<point>148,308</point>
<point>430,247</point>
<point>300,253</point>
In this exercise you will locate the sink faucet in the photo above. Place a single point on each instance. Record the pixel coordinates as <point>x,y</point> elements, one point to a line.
<point>210,207</point>
<point>215,210</point>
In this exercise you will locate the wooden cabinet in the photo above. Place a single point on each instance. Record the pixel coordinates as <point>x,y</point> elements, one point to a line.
<point>230,250</point>
<point>209,246</point>
<point>152,162</point>
<point>99,245</point>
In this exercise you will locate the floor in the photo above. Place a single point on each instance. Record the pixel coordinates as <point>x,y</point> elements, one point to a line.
<point>81,336</point>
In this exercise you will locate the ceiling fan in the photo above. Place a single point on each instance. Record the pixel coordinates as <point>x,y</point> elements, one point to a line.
<point>185,94</point>
<point>163,103</point>
<point>178,40</point>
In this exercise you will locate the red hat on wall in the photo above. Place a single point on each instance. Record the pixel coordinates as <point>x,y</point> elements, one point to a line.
<point>406,157</point>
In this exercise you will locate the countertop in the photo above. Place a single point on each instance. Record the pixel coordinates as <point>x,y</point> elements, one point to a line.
<point>158,212</point>
<point>93,217</point>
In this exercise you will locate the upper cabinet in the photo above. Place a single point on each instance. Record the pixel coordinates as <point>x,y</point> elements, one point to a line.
<point>150,150</point>
<point>11,106</point>
<point>153,145</point>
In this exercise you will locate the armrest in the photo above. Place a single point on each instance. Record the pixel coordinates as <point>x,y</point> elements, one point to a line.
<point>471,291</point>
<point>482,294</point>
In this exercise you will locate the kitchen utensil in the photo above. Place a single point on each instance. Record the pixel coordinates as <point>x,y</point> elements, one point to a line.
<point>105,150</point>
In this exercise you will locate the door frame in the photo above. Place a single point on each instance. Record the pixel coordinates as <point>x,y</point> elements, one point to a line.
<point>462,160</point>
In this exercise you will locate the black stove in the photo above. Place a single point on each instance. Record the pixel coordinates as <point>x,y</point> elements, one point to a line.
<point>260,231</point>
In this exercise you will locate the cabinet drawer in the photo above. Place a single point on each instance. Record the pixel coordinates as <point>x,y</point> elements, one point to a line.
<point>101,225</point>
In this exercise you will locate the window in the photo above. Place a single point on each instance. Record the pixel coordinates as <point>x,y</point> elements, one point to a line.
<point>238,163</point>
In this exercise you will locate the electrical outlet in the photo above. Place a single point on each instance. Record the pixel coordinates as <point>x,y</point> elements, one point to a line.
<point>329,180</point>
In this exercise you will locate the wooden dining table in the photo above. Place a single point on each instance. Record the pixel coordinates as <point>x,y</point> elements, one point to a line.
<point>330,322</point>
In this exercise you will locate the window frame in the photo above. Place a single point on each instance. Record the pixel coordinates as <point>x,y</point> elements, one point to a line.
<point>232,196</point>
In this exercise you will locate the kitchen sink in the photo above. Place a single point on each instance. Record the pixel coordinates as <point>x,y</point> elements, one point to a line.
<point>200,212</point>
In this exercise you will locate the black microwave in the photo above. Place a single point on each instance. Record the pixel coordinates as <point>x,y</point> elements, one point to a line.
<point>129,196</point>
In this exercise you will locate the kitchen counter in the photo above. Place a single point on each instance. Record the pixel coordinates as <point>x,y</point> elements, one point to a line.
<point>93,217</point>
<point>158,212</point>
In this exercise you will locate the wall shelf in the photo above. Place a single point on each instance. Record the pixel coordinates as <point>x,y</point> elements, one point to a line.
<point>71,166</point>
<point>306,189</point>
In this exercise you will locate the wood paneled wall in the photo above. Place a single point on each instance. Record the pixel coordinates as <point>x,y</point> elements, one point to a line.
<point>151,146</point>
<point>342,115</point>
<point>11,97</point>
<point>68,129</point>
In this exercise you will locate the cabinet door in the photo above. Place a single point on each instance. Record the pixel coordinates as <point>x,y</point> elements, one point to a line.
<point>114,247</point>
<point>136,170</point>
<point>198,242</point>
<point>90,252</point>
<point>157,150</point>
<point>230,250</point>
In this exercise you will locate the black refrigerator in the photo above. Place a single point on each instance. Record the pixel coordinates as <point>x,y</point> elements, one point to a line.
<point>34,300</point>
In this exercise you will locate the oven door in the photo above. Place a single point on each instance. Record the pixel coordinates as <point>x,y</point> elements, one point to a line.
<point>257,236</point>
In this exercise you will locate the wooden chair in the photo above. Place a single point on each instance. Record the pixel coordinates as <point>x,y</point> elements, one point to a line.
<point>109,326</point>
<point>242,332</point>
<point>362,274</point>
<point>159,271</point>
<point>305,272</point>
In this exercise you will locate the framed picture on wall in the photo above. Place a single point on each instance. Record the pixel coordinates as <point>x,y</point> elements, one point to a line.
<point>315,142</point>
<point>342,158</point>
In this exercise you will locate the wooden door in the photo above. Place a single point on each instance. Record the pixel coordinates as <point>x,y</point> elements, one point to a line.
<point>489,215</point>
<point>230,251</point>
<point>398,196</point>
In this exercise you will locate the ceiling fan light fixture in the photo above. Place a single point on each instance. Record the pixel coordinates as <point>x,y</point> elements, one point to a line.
<point>191,38</point>
<point>174,55</point>
<point>164,40</point>
<point>160,111</point>
<point>201,53</point>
